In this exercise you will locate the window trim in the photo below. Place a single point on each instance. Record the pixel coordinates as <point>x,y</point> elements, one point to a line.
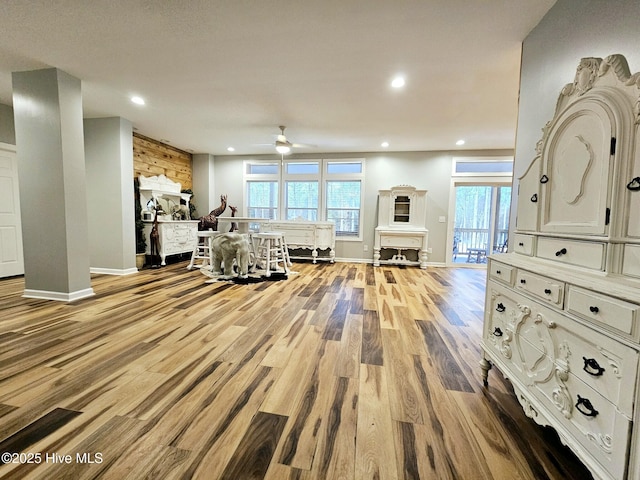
<point>282,177</point>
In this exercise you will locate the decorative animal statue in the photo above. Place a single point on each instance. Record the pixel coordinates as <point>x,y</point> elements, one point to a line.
<point>228,247</point>
<point>234,225</point>
<point>180,212</point>
<point>210,221</point>
<point>155,240</point>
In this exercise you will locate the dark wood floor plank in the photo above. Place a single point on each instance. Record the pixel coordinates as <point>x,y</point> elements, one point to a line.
<point>253,456</point>
<point>448,369</point>
<point>35,431</point>
<point>371,353</point>
<point>335,323</point>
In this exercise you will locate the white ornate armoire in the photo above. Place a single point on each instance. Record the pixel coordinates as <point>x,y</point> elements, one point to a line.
<point>561,312</point>
<point>402,219</point>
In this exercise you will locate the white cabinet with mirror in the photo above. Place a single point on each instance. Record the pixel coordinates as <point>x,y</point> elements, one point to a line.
<point>402,219</point>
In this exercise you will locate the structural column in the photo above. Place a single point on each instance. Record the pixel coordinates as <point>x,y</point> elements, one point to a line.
<point>47,108</point>
<point>203,183</point>
<point>108,144</point>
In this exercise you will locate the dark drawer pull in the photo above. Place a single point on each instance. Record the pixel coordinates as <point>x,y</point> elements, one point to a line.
<point>500,308</point>
<point>521,244</point>
<point>534,197</point>
<point>498,272</point>
<point>547,291</point>
<point>585,407</point>
<point>593,309</point>
<point>562,251</point>
<point>634,185</point>
<point>544,179</point>
<point>592,367</point>
<point>497,332</point>
<point>523,281</point>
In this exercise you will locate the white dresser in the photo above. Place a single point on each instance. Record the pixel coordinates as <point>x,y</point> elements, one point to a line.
<point>401,226</point>
<point>176,236</point>
<point>561,313</point>
<point>305,235</point>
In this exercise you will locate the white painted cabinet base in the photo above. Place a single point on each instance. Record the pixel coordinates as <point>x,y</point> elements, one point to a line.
<point>400,240</point>
<point>178,236</point>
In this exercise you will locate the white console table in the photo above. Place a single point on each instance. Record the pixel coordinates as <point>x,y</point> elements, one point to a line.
<point>306,235</point>
<point>401,239</point>
<point>176,236</point>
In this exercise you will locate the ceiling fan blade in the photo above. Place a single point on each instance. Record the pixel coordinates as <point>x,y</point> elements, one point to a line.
<point>303,145</point>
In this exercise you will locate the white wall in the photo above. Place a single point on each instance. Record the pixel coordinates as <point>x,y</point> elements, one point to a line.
<point>424,170</point>
<point>571,30</point>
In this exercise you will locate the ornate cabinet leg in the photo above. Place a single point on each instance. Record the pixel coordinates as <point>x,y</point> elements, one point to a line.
<point>423,256</point>
<point>485,365</point>
<point>376,257</point>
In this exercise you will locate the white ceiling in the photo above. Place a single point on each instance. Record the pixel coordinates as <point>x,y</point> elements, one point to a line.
<point>219,73</point>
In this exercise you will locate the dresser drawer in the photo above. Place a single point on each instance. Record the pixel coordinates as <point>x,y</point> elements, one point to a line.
<point>400,241</point>
<point>501,272</point>
<point>598,360</point>
<point>609,311</point>
<point>531,346</point>
<point>582,254</point>
<point>524,244</point>
<point>590,419</point>
<point>547,289</point>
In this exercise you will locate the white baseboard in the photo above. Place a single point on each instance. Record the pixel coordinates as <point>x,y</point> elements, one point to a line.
<point>353,260</point>
<point>58,296</point>
<point>370,260</point>
<point>113,271</point>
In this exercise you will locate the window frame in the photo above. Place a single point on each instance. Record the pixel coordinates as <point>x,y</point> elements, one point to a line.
<point>262,177</point>
<point>345,177</point>
<point>323,177</point>
<point>489,173</point>
<point>304,178</point>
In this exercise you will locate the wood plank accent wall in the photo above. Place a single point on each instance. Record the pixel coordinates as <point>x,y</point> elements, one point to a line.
<point>151,157</point>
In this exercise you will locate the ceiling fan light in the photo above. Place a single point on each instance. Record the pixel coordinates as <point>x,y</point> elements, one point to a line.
<point>283,149</point>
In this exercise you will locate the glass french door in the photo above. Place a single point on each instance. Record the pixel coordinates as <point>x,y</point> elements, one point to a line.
<point>481,225</point>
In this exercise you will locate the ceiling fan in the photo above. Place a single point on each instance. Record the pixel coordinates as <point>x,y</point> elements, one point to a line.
<point>284,146</point>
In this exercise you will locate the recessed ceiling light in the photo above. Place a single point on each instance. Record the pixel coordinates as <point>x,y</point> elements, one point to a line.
<point>384,144</point>
<point>231,149</point>
<point>137,100</point>
<point>398,82</point>
<point>460,142</point>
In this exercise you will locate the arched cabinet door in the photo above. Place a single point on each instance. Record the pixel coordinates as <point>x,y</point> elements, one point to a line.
<point>578,162</point>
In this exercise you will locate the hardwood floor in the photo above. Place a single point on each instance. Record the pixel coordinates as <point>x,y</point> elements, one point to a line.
<point>342,371</point>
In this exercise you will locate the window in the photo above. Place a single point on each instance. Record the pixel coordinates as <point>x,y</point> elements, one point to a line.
<point>262,189</point>
<point>312,190</point>
<point>343,206</point>
<point>344,196</point>
<point>482,166</point>
<point>262,199</point>
<point>302,199</point>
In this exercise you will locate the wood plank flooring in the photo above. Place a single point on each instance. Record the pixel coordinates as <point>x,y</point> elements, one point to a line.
<point>342,371</point>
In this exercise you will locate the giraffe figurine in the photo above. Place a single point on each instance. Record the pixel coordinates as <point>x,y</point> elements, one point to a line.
<point>210,221</point>
<point>234,225</point>
<point>155,241</point>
